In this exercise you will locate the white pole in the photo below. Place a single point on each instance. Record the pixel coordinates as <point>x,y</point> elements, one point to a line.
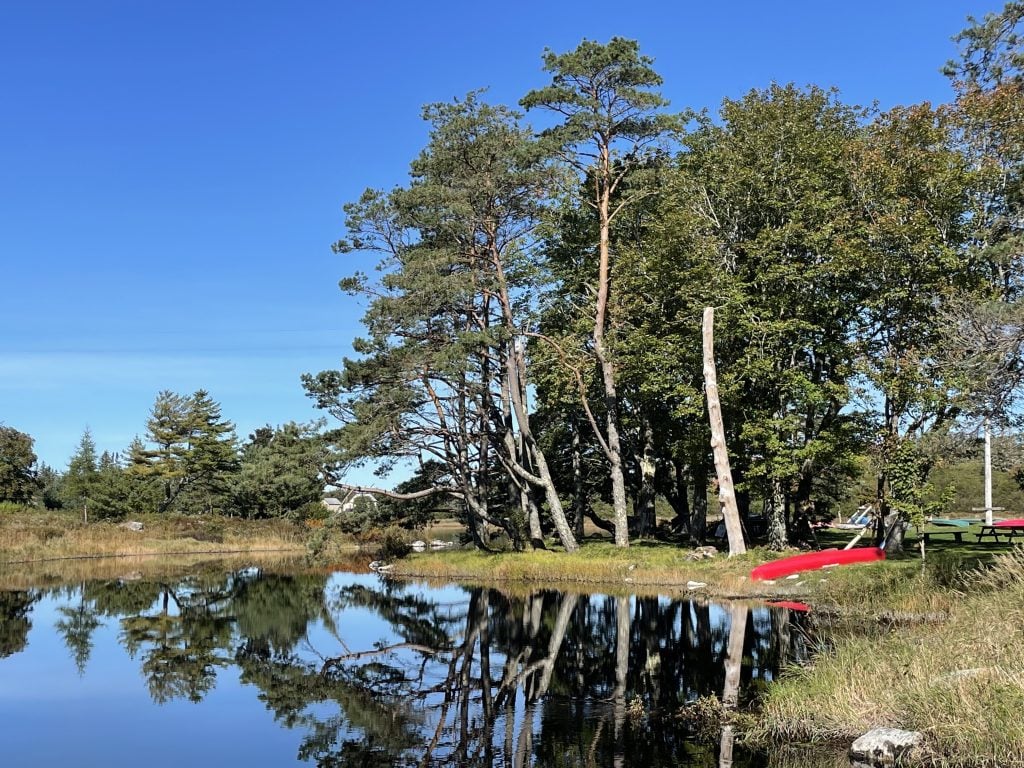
<point>988,474</point>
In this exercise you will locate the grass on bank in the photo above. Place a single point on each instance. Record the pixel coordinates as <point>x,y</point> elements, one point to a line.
<point>595,563</point>
<point>658,565</point>
<point>959,679</point>
<point>41,535</point>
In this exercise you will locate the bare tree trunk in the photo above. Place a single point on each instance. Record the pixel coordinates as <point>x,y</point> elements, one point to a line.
<point>565,610</point>
<point>733,668</point>
<point>611,399</point>
<point>513,446</point>
<point>734,660</point>
<point>515,370</point>
<point>646,520</point>
<point>622,621</point>
<point>725,747</point>
<point>618,478</point>
<point>476,521</point>
<point>775,509</point>
<point>532,513</point>
<point>726,492</point>
<point>555,506</point>
<point>579,502</point>
<point>699,508</point>
<point>678,497</point>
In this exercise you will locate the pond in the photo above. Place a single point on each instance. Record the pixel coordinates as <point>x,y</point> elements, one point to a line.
<point>269,667</point>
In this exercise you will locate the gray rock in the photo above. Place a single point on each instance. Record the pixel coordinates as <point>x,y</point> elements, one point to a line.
<point>133,525</point>
<point>883,746</point>
<point>702,553</point>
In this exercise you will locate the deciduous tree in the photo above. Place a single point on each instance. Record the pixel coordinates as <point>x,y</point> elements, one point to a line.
<point>18,479</point>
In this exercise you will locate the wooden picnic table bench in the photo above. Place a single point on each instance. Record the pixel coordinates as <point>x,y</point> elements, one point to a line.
<point>995,531</point>
<point>957,535</point>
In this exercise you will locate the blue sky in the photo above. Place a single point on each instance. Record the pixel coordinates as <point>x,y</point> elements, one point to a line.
<point>172,172</point>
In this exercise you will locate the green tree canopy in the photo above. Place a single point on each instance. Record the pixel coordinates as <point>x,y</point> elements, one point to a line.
<point>281,471</point>
<point>18,481</point>
<point>192,451</point>
<point>80,480</point>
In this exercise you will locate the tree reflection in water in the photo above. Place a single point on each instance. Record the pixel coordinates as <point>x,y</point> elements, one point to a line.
<point>15,607</point>
<point>384,673</point>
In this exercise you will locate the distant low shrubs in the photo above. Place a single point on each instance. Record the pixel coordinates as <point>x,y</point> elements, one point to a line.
<point>13,508</point>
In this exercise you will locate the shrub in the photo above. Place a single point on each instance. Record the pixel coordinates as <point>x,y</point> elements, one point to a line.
<point>13,508</point>
<point>312,511</point>
<point>393,544</point>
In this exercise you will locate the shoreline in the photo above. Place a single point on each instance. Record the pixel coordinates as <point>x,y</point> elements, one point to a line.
<point>933,647</point>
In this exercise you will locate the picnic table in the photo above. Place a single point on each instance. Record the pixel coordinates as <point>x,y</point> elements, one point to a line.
<point>1008,528</point>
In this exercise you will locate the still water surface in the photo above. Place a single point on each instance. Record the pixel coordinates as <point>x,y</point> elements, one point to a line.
<point>260,668</point>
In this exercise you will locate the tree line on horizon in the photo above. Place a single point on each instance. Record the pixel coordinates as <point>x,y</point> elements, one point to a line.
<point>189,461</point>
<point>532,338</point>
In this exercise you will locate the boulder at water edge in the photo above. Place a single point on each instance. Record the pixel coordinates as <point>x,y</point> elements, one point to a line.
<point>883,746</point>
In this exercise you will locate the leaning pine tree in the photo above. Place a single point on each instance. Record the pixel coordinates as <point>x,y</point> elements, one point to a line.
<point>443,372</point>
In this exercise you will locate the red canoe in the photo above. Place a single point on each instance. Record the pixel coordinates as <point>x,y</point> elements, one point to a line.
<point>812,561</point>
<point>1015,523</point>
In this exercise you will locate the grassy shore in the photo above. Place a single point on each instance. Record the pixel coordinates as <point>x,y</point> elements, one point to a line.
<point>642,567</point>
<point>652,565</point>
<point>956,674</point>
<point>29,536</point>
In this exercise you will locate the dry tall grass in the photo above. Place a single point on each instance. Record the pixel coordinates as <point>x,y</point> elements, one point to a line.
<point>958,681</point>
<point>32,536</point>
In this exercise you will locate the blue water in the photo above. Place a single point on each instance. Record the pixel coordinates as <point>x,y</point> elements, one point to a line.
<point>262,668</point>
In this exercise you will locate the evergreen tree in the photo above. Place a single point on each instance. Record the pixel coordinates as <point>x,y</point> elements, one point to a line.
<point>612,128</point>
<point>281,471</point>
<point>119,492</point>
<point>443,373</point>
<point>211,458</point>
<point>193,451</point>
<point>76,627</point>
<point>81,478</point>
<point>167,431</point>
<point>51,487</point>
